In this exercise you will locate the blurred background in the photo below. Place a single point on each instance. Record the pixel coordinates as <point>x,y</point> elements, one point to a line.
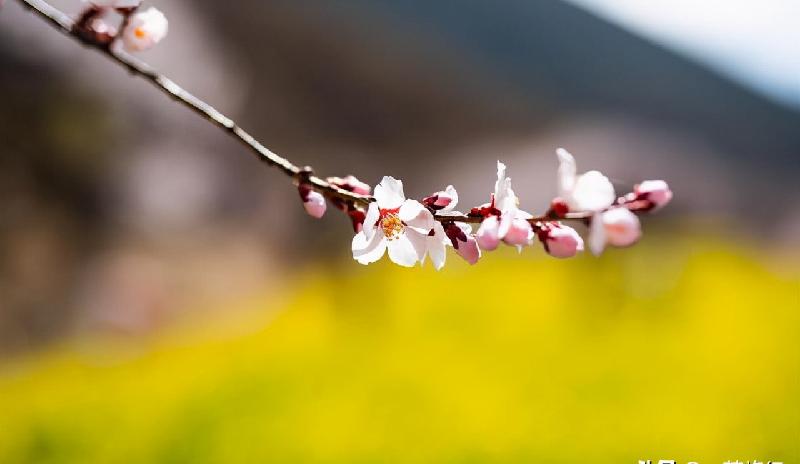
<point>164,298</point>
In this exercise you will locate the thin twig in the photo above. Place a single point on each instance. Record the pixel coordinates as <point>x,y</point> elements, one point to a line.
<point>65,24</point>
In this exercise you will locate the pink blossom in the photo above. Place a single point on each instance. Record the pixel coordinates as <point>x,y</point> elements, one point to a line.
<point>315,204</point>
<point>144,30</point>
<point>591,191</point>
<point>617,227</point>
<point>488,234</point>
<point>657,192</point>
<point>560,241</point>
<point>395,224</point>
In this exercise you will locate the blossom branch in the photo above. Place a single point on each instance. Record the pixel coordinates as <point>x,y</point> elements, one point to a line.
<point>410,230</point>
<point>66,25</point>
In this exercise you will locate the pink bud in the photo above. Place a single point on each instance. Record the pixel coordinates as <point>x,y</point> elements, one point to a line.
<point>519,232</point>
<point>437,201</point>
<point>655,191</point>
<point>469,250</point>
<point>560,241</point>
<point>315,204</point>
<point>622,227</point>
<point>356,186</point>
<point>487,235</point>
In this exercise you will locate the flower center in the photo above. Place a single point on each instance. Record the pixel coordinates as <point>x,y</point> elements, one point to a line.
<point>391,224</point>
<point>139,33</point>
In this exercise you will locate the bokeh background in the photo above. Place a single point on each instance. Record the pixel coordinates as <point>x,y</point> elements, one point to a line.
<point>163,297</point>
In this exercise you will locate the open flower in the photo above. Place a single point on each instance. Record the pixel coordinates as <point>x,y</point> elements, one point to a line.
<point>617,226</point>
<point>504,221</point>
<point>144,30</point>
<point>590,191</point>
<point>392,222</point>
<point>439,237</point>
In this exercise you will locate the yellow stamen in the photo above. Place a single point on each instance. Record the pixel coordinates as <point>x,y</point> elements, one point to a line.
<point>392,226</point>
<point>139,33</point>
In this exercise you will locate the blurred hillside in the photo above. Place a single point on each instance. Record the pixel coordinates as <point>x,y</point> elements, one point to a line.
<point>120,208</point>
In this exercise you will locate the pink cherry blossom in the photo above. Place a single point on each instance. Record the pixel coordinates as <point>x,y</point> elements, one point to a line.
<point>463,241</point>
<point>560,241</point>
<point>488,235</point>
<point>657,192</point>
<point>395,224</point>
<point>591,191</point>
<point>617,227</point>
<point>144,30</point>
<point>315,204</point>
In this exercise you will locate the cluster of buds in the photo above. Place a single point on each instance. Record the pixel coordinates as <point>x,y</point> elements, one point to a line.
<point>139,30</point>
<point>412,231</point>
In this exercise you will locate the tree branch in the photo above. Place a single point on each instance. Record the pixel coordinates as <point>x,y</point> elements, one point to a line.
<point>61,21</point>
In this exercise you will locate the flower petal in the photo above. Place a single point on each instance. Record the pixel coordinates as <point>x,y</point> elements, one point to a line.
<point>592,192</point>
<point>567,170</point>
<point>413,214</point>
<point>367,251</point>
<point>487,234</point>
<point>402,251</point>
<point>451,192</point>
<point>419,241</point>
<point>437,246</point>
<point>597,235</point>
<point>389,193</point>
<point>504,196</point>
<point>371,220</point>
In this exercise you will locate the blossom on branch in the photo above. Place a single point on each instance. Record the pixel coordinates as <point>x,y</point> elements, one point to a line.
<point>503,220</point>
<point>410,230</point>
<point>313,201</point>
<point>656,194</point>
<point>144,30</point>
<point>559,241</point>
<point>392,222</point>
<point>617,227</point>
<point>590,191</point>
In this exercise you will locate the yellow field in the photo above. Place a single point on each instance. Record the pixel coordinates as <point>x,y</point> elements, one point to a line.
<point>676,349</point>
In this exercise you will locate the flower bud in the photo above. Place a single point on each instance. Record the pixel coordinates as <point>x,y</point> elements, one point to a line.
<point>315,205</point>
<point>313,201</point>
<point>469,250</point>
<point>351,184</point>
<point>442,200</point>
<point>560,241</point>
<point>517,232</point>
<point>487,235</point>
<point>617,226</point>
<point>460,235</point>
<point>144,30</point>
<point>657,192</point>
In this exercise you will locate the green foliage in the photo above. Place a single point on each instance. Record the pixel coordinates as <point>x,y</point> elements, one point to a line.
<point>684,351</point>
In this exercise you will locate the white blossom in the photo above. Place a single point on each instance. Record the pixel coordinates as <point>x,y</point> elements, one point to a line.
<point>505,221</point>
<point>144,30</point>
<point>618,227</point>
<point>590,191</point>
<point>392,222</point>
